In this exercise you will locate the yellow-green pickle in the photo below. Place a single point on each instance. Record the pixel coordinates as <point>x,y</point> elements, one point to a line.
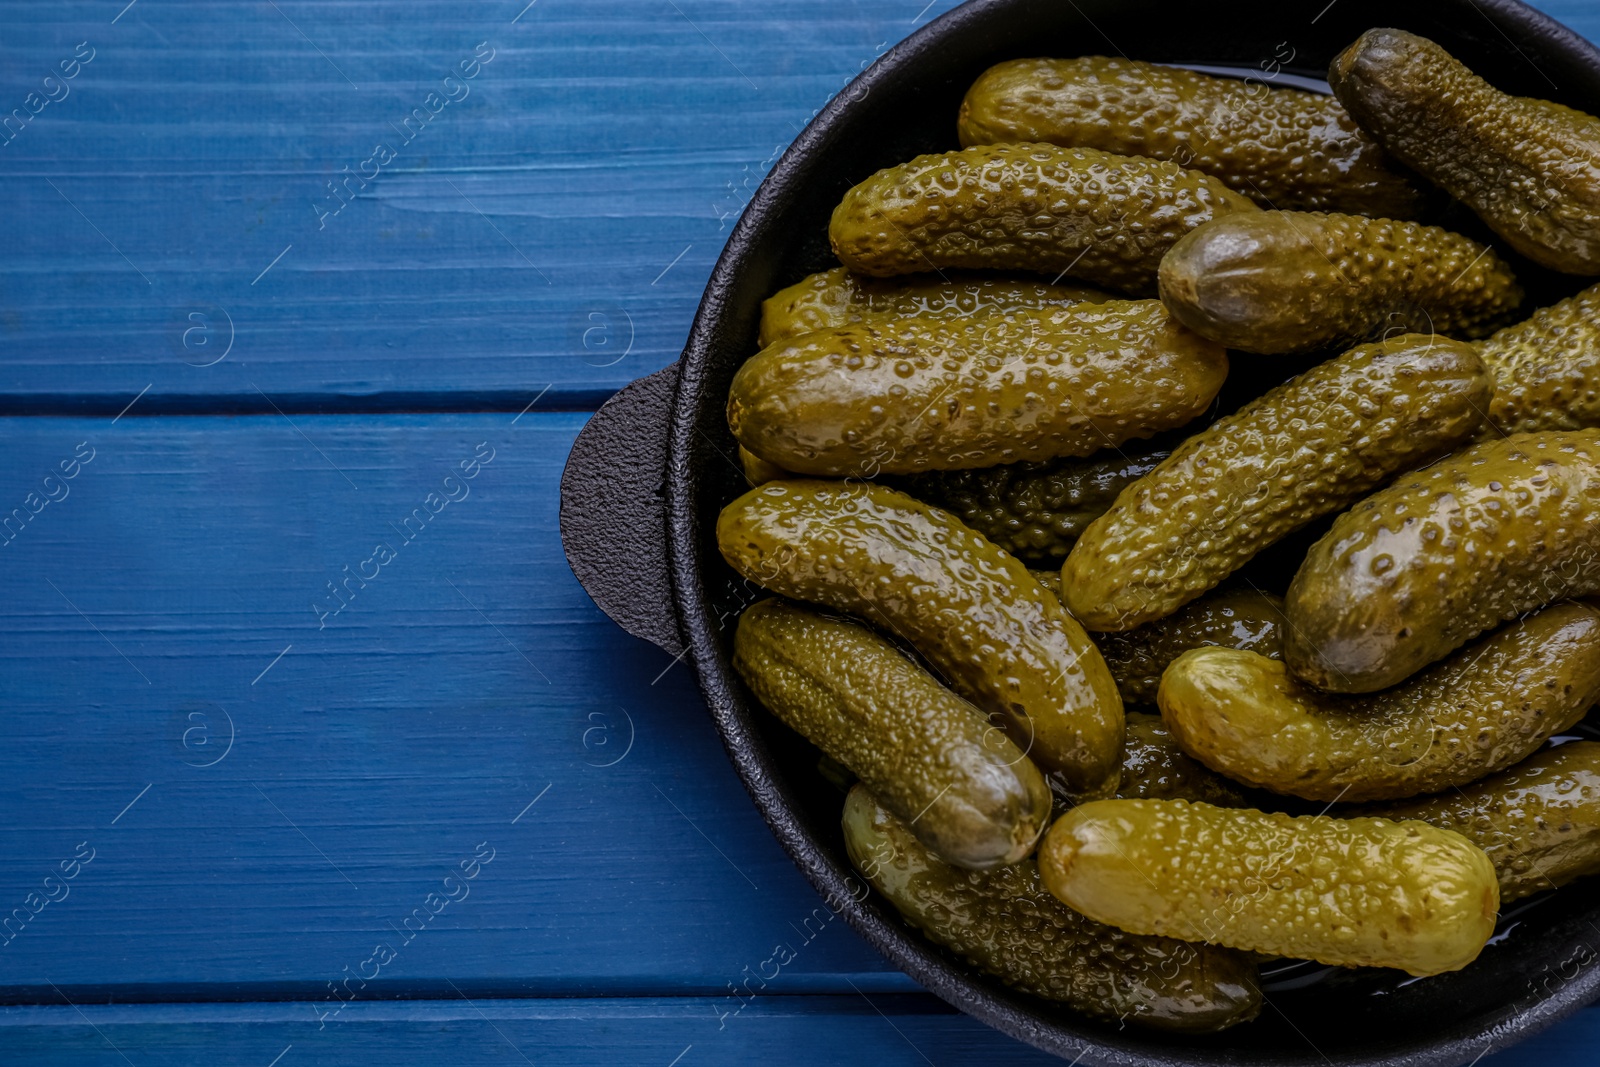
<point>837,298</point>
<point>968,792</point>
<point>1303,450</point>
<point>1547,368</point>
<point>972,611</point>
<point>1479,711</point>
<point>1154,767</point>
<point>1037,511</point>
<point>1281,282</point>
<point>1539,822</point>
<point>758,471</point>
<point>1348,892</point>
<point>1529,168</point>
<point>1242,618</point>
<point>1283,148</point>
<point>1440,556</point>
<point>1034,207</point>
<point>1005,923</point>
<point>901,396</point>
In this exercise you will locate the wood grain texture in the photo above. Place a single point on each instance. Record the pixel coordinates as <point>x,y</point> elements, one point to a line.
<point>551,226</point>
<point>147,610</point>
<point>892,1030</point>
<point>171,237</point>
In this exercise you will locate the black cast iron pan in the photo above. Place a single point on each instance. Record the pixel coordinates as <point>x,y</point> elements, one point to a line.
<point>651,470</point>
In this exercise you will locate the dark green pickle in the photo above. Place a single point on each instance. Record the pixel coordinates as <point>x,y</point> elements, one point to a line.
<point>1240,618</point>
<point>1529,168</point>
<point>1539,822</point>
<point>1289,282</point>
<point>1440,556</point>
<point>970,610</point>
<point>1005,923</point>
<point>1283,148</point>
<point>837,298</point>
<point>1050,580</point>
<point>901,396</point>
<point>1244,618</point>
<point>967,791</point>
<point>1547,368</point>
<point>1037,511</point>
<point>1032,207</point>
<point>1306,449</point>
<point>1155,767</point>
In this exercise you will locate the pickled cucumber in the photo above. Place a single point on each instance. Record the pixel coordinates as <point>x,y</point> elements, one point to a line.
<point>1529,168</point>
<point>1283,148</point>
<point>1078,212</point>
<point>758,471</point>
<point>1347,892</point>
<point>1283,282</point>
<point>1305,449</point>
<point>1442,555</point>
<point>964,789</point>
<point>1477,712</point>
<point>1049,580</point>
<point>900,396</point>
<point>1539,822</point>
<point>1154,767</point>
<point>1232,618</point>
<point>837,298</point>
<point>1037,511</point>
<point>1005,923</point>
<point>969,609</point>
<point>1547,369</point>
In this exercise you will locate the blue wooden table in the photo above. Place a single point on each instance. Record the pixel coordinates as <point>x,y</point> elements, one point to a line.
<point>316,752</point>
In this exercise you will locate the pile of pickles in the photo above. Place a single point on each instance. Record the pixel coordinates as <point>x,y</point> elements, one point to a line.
<point>1017,461</point>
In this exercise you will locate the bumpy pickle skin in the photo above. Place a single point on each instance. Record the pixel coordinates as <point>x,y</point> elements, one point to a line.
<point>1005,923</point>
<point>1547,368</point>
<point>1154,767</point>
<point>1283,148</point>
<point>1477,712</point>
<point>1539,822</point>
<point>1442,555</point>
<point>1032,207</point>
<point>975,799</point>
<point>1529,168</point>
<point>837,298</point>
<point>1037,511</point>
<point>1288,282</point>
<point>902,396</point>
<point>1305,449</point>
<point>972,611</point>
<point>1346,892</point>
<point>1241,618</point>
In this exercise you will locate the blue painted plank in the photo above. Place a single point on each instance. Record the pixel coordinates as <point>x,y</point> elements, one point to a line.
<point>468,701</point>
<point>889,1030</point>
<point>552,225</point>
<point>892,1031</point>
<point>176,594</point>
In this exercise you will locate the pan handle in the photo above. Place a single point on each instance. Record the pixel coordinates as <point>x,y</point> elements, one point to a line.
<point>613,509</point>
